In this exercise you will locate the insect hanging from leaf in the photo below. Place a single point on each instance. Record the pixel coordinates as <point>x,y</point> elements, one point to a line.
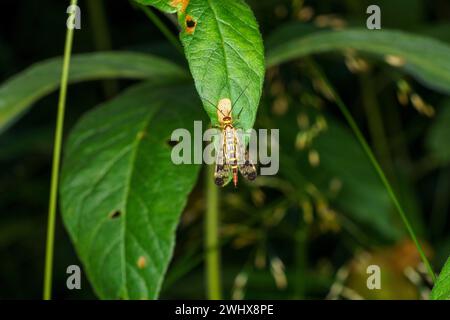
<point>231,154</point>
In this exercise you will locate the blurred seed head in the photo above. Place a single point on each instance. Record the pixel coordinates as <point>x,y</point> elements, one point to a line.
<point>314,158</point>
<point>412,275</point>
<point>260,259</point>
<point>307,209</point>
<point>404,86</point>
<point>328,217</point>
<point>321,123</point>
<point>277,270</point>
<point>258,197</point>
<point>301,141</point>
<point>356,64</point>
<point>305,13</point>
<point>309,99</point>
<point>406,94</point>
<point>277,215</point>
<point>245,239</point>
<point>335,186</point>
<point>395,61</point>
<point>303,121</point>
<point>330,20</point>
<point>323,88</point>
<point>240,283</point>
<point>230,230</point>
<point>421,106</point>
<point>305,138</point>
<point>402,98</point>
<point>280,105</point>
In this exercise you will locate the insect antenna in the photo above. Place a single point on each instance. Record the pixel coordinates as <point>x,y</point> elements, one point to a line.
<point>240,95</point>
<point>214,106</point>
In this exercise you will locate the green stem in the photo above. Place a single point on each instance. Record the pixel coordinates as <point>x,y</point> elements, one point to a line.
<point>212,237</point>
<point>377,167</point>
<point>162,27</point>
<point>47,292</point>
<point>102,38</point>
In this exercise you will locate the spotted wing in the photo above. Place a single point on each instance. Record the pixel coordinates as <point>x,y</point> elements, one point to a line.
<point>222,171</point>
<point>247,169</point>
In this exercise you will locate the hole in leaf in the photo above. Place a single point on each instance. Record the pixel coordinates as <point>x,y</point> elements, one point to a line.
<point>190,24</point>
<point>115,214</point>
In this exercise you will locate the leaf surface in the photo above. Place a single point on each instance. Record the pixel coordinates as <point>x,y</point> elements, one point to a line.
<point>424,58</point>
<point>21,91</point>
<point>226,57</point>
<point>441,289</point>
<point>121,194</point>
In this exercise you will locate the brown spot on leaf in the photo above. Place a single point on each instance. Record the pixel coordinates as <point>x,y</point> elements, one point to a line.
<point>180,4</point>
<point>142,262</point>
<point>190,24</point>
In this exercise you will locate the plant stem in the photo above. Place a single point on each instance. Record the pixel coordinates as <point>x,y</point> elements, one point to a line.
<point>162,27</point>
<point>47,292</point>
<point>351,122</point>
<point>212,237</point>
<point>102,38</point>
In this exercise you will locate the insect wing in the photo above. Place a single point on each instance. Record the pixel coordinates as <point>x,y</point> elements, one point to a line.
<point>246,168</point>
<point>222,171</point>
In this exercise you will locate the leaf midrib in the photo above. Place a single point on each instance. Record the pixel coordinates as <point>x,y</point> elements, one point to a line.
<point>133,156</point>
<point>222,42</point>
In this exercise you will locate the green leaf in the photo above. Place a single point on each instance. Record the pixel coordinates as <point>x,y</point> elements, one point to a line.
<point>441,289</point>
<point>21,91</point>
<point>424,58</point>
<point>168,6</point>
<point>121,194</point>
<point>439,135</point>
<point>225,54</point>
